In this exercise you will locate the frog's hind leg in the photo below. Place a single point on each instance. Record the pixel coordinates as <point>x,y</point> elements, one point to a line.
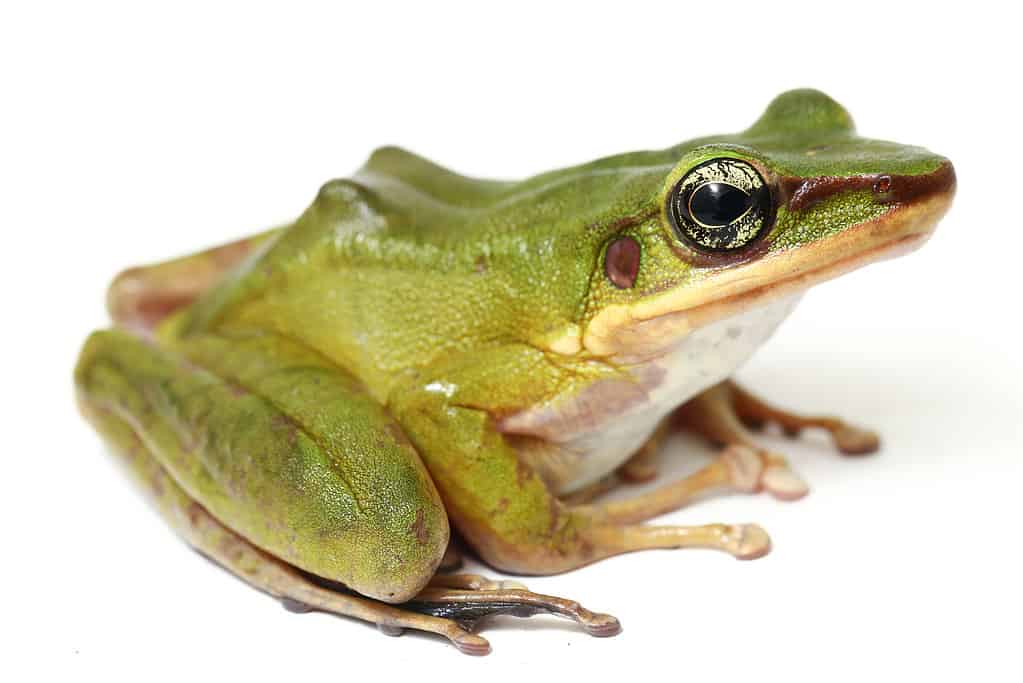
<point>470,598</point>
<point>475,597</point>
<point>209,448</point>
<point>256,567</point>
<point>140,297</point>
<point>450,606</point>
<point>287,449</point>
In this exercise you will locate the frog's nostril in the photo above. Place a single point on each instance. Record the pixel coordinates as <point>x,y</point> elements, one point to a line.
<point>883,185</point>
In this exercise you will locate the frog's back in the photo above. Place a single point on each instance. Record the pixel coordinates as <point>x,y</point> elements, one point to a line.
<point>407,261</point>
<point>438,206</point>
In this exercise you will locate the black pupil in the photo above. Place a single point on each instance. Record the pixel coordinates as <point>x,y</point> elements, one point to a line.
<point>718,204</point>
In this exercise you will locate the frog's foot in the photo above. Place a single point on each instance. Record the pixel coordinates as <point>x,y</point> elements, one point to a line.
<point>450,606</point>
<point>712,414</point>
<point>468,598</point>
<point>776,475</point>
<point>754,412</point>
<point>724,413</point>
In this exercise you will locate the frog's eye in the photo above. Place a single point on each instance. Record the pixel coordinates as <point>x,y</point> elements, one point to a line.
<point>720,205</point>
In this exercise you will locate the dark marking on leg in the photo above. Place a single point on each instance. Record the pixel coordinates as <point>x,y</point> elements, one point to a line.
<point>419,527</point>
<point>295,606</point>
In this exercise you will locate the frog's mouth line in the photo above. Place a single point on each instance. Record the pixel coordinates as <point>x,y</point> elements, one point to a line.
<point>643,330</point>
<point>812,268</point>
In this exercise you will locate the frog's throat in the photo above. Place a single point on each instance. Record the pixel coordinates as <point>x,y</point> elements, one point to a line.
<point>641,330</point>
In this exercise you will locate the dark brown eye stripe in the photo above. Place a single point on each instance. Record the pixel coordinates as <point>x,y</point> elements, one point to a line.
<point>803,193</point>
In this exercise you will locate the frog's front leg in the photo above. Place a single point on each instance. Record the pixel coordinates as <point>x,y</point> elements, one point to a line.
<point>505,510</point>
<point>849,439</point>
<point>279,466</point>
<point>724,414</point>
<point>253,565</point>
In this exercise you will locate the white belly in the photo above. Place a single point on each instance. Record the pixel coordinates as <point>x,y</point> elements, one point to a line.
<point>705,357</point>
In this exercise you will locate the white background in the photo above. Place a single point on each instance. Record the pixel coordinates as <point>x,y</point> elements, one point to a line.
<point>128,134</point>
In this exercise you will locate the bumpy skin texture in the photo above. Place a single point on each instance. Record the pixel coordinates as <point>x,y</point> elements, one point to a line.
<point>290,451</point>
<point>407,264</point>
<point>410,309</point>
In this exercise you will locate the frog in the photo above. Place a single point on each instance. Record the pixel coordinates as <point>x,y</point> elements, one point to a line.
<point>425,364</point>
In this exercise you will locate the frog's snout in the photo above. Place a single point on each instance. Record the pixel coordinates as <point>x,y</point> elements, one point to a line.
<point>903,189</point>
<point>802,193</point>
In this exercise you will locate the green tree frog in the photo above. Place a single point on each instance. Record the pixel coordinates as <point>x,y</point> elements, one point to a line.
<point>321,408</point>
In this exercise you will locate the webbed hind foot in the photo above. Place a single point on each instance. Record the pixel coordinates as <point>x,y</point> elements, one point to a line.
<point>468,598</point>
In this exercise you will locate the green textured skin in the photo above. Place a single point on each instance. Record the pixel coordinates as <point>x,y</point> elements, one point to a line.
<point>283,447</point>
<point>408,263</point>
<point>413,294</point>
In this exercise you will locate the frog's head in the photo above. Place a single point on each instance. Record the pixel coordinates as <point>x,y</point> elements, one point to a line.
<point>741,220</point>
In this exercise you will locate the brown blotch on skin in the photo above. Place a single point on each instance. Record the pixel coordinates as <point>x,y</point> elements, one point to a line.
<point>621,262</point>
<point>195,513</point>
<point>157,487</point>
<point>281,423</point>
<point>230,549</point>
<point>295,606</point>
<point>803,193</point>
<point>480,264</point>
<point>419,527</point>
<point>522,473</point>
